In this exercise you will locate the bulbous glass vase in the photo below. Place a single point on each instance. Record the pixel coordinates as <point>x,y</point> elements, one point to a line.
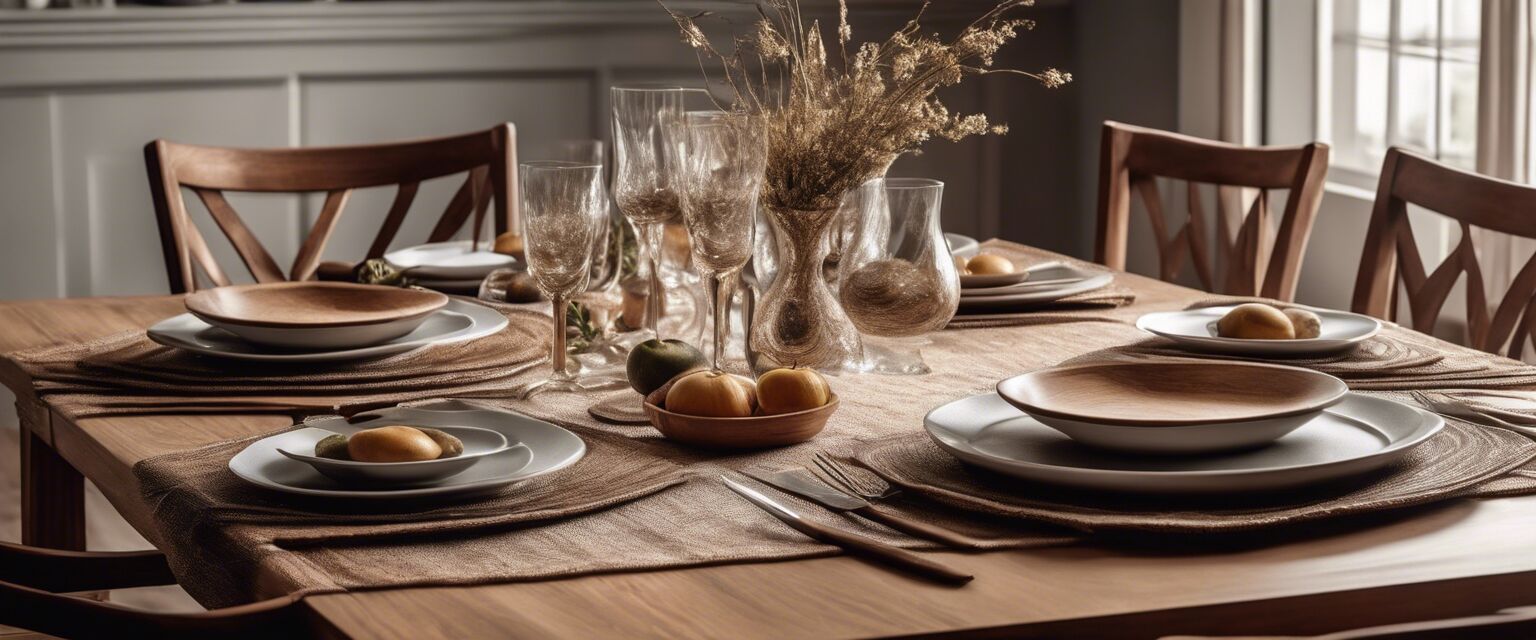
<point>798,321</point>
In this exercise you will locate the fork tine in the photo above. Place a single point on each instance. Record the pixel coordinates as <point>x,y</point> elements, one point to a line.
<point>860,486</point>
<point>835,474</point>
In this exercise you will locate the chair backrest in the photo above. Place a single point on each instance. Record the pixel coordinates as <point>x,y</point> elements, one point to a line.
<point>33,579</point>
<point>488,157</point>
<point>1392,256</point>
<point>1132,158</point>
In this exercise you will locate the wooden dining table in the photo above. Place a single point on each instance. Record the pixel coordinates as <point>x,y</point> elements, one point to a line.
<point>1455,558</point>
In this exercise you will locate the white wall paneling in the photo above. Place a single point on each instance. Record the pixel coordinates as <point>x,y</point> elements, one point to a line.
<point>81,91</point>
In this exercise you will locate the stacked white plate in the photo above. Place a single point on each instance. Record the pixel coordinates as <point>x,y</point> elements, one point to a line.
<point>541,448</point>
<point>1041,283</point>
<point>451,267</point>
<point>1355,436</point>
<point>455,321</point>
<point>1195,329</point>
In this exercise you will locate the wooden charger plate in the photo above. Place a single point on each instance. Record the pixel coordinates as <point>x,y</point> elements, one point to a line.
<point>312,304</point>
<point>1171,394</point>
<point>755,432</point>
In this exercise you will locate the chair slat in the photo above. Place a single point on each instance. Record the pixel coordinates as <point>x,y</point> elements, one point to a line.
<point>263,268</point>
<point>308,259</point>
<point>1198,250</point>
<point>404,196</point>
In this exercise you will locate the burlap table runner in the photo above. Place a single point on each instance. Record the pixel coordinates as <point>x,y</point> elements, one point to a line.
<point>699,522</point>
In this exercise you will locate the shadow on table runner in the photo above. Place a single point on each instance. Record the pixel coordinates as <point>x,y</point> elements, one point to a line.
<point>128,374</point>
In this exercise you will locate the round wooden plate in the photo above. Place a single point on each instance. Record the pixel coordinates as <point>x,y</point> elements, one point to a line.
<point>1154,394</point>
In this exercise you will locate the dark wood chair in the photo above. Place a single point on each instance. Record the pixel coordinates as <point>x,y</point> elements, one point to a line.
<point>33,582</point>
<point>1132,158</point>
<point>489,158</point>
<point>1392,257</point>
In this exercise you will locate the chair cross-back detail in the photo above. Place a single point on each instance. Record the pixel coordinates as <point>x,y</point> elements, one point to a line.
<point>1391,254</point>
<point>487,157</point>
<point>1132,158</point>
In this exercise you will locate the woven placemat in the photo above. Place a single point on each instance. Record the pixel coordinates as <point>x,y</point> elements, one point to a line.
<point>1454,463</point>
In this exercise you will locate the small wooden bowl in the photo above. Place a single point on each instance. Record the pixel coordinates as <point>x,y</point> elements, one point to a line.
<point>755,432</point>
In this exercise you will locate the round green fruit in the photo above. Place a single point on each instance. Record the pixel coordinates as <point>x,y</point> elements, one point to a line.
<point>653,362</point>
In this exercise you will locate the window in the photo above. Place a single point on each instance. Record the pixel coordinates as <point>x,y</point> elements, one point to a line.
<point>1405,73</point>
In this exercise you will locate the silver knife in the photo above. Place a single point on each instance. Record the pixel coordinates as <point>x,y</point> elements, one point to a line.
<point>798,483</point>
<point>850,542</point>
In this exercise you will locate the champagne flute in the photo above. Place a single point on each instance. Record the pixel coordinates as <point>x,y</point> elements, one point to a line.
<point>642,185</point>
<point>720,161</point>
<point>564,208</point>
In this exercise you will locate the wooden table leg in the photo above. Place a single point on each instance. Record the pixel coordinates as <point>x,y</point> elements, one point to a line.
<point>52,497</point>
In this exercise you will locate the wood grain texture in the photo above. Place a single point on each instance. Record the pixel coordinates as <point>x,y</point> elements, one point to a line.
<point>1151,394</point>
<point>1391,255</point>
<point>485,157</point>
<point>1462,558</point>
<point>1131,159</point>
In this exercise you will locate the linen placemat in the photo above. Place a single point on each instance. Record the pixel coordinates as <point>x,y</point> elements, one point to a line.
<point>1458,462</point>
<point>127,374</point>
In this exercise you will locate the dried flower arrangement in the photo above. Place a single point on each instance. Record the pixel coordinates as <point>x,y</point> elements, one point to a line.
<point>830,127</point>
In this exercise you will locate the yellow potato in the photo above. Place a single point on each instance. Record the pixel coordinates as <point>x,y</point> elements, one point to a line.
<point>1306,323</point>
<point>988,264</point>
<point>392,444</point>
<point>1254,321</point>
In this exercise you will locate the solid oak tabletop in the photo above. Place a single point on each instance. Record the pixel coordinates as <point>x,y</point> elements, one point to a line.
<point>1460,558</point>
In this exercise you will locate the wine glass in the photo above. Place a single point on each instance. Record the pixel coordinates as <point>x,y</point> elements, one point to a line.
<point>642,185</point>
<point>720,163</point>
<point>564,208</point>
<point>898,280</point>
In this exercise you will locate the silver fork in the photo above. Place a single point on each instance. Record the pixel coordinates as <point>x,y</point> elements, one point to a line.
<point>868,487</point>
<point>1451,407</point>
<point>872,489</point>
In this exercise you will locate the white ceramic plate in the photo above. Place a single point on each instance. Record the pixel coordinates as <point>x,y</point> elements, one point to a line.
<point>990,280</point>
<point>1195,329</point>
<point>449,260</point>
<point>321,338</point>
<point>457,322</point>
<point>477,443</point>
<point>1076,281</point>
<point>469,287</point>
<point>1357,435</point>
<point>963,246</point>
<point>552,448</point>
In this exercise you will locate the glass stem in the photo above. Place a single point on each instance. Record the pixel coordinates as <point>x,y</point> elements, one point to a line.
<point>650,249</point>
<point>557,348</point>
<point>722,289</point>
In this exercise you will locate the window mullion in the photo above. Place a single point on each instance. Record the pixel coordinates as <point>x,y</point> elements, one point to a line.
<point>1394,40</point>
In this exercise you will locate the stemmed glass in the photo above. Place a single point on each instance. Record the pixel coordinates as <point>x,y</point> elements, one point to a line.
<point>720,163</point>
<point>564,209</point>
<point>642,185</point>
<point>897,278</point>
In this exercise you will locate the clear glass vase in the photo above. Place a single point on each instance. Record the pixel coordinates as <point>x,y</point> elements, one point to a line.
<point>798,321</point>
<point>897,279</point>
